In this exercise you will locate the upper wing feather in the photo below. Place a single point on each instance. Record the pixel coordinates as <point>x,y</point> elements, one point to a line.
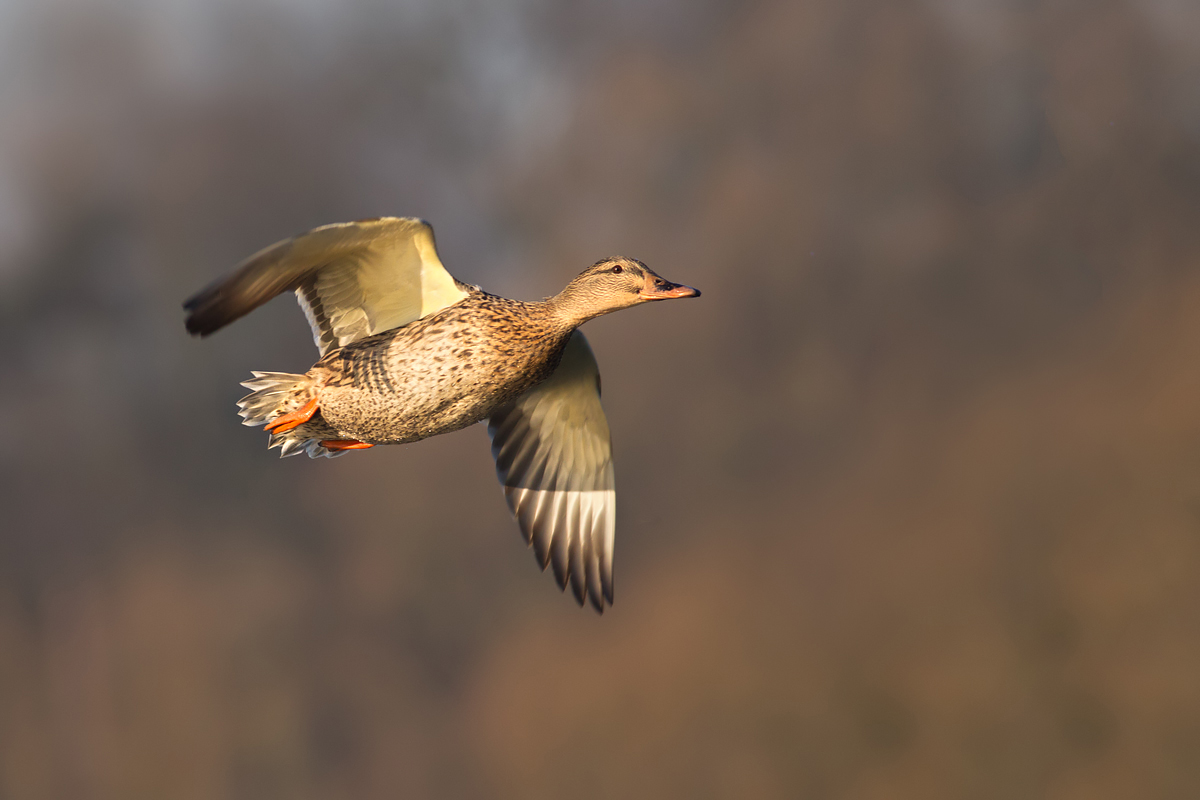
<point>352,279</point>
<point>554,457</point>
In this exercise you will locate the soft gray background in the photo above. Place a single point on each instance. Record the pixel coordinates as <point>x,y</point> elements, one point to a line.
<point>909,500</point>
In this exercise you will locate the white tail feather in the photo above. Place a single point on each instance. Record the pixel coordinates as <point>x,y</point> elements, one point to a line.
<point>278,393</point>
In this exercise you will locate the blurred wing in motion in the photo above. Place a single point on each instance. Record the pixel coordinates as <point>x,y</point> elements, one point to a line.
<point>353,279</point>
<point>554,457</point>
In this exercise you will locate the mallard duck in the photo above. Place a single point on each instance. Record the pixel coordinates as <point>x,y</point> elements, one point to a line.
<point>409,352</point>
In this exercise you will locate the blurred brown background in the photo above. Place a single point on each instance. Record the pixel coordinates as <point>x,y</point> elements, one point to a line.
<point>909,500</point>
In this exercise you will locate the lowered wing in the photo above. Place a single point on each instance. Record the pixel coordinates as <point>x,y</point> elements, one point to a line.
<point>554,458</point>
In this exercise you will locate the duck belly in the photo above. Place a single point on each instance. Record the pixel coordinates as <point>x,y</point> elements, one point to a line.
<point>393,394</point>
<point>396,417</point>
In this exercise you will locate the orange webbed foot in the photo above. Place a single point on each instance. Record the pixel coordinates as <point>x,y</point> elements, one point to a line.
<point>295,419</point>
<point>344,444</point>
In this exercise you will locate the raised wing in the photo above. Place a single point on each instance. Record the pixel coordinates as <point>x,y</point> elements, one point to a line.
<point>352,279</point>
<point>554,457</point>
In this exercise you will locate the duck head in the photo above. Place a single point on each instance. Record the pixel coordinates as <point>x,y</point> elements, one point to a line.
<point>612,284</point>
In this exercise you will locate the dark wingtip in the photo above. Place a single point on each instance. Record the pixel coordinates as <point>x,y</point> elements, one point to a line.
<point>216,305</point>
<point>200,320</point>
<point>190,321</point>
<point>606,583</point>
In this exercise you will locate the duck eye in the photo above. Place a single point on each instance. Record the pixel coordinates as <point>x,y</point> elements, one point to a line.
<point>617,270</point>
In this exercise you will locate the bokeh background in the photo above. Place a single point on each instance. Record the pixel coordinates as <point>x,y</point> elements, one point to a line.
<point>909,500</point>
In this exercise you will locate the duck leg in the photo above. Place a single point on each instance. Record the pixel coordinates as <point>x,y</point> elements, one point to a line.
<point>344,444</point>
<point>294,419</point>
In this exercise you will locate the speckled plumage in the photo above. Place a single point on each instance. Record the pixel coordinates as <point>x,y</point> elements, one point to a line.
<point>440,373</point>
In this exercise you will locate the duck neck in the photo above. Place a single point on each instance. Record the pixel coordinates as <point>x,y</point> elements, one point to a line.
<point>573,306</point>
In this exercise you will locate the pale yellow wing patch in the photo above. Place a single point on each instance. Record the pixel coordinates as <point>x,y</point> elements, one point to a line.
<point>380,275</point>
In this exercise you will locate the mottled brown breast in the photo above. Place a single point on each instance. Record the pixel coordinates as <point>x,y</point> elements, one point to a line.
<point>439,373</point>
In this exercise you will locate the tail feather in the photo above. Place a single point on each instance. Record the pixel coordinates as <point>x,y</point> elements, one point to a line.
<point>276,393</point>
<point>297,441</point>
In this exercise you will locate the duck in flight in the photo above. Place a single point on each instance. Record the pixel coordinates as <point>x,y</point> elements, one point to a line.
<point>408,352</point>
